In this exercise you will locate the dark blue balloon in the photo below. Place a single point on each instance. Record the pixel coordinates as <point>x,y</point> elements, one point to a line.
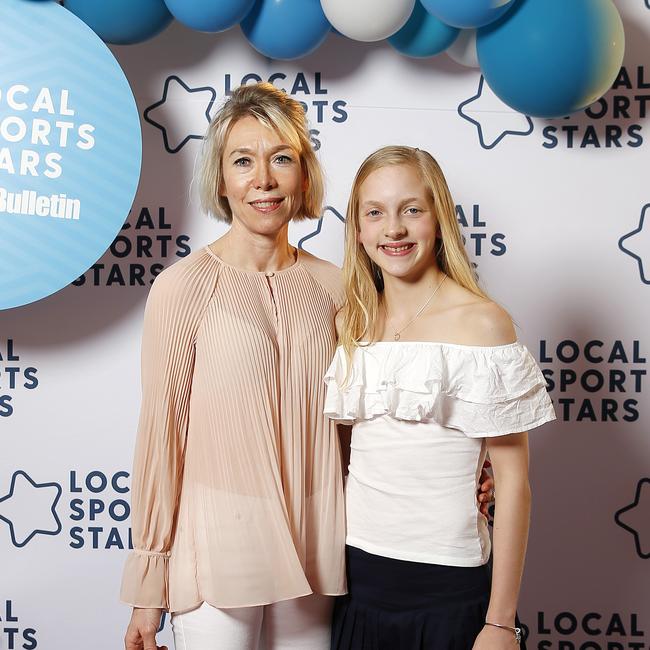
<point>122,21</point>
<point>549,58</point>
<point>468,13</point>
<point>423,35</point>
<point>209,15</point>
<point>286,29</point>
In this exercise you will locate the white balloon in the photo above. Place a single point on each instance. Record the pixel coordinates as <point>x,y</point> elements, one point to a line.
<point>368,20</point>
<point>463,49</point>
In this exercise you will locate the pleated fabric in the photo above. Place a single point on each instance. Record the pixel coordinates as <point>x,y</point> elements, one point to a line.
<point>237,486</point>
<point>401,605</point>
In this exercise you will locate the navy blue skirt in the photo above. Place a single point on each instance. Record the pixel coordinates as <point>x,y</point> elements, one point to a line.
<point>400,605</point>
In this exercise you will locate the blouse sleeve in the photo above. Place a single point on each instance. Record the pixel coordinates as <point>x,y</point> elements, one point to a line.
<point>173,312</point>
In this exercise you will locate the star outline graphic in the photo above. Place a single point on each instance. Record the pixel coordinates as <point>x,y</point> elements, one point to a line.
<point>624,526</point>
<point>479,126</point>
<point>319,225</point>
<point>12,487</point>
<point>149,109</point>
<point>636,231</point>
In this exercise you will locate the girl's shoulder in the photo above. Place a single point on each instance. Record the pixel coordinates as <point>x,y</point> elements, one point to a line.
<point>485,323</point>
<point>475,320</point>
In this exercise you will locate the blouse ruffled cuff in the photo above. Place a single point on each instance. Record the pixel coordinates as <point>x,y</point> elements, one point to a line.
<point>145,580</point>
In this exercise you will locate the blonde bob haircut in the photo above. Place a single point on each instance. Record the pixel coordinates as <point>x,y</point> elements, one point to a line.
<point>276,110</point>
<point>363,279</point>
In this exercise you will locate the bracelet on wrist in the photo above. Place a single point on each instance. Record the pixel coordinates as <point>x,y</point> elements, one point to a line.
<point>515,630</point>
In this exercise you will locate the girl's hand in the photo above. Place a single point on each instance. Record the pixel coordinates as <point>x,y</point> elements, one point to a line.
<point>495,638</point>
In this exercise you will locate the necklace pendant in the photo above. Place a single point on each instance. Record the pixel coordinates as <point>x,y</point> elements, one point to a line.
<point>396,336</point>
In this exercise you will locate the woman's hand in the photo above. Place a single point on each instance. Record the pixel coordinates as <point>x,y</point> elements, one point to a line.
<point>495,638</point>
<point>141,633</point>
<point>485,492</point>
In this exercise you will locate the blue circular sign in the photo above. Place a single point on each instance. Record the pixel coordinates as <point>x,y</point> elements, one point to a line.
<point>70,149</point>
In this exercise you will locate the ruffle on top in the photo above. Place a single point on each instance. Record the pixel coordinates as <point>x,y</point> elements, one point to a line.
<point>482,391</point>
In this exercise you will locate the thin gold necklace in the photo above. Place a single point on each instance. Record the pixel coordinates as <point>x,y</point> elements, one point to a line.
<point>397,334</point>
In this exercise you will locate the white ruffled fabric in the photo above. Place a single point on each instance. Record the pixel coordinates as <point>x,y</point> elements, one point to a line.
<point>481,391</point>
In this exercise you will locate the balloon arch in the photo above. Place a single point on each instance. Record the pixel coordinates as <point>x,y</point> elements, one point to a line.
<point>544,58</point>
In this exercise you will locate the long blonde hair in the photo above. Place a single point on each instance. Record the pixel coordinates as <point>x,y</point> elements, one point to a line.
<point>363,279</point>
<point>276,110</point>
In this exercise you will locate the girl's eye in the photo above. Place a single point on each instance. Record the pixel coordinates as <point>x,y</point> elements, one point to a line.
<point>242,162</point>
<point>413,210</point>
<point>373,213</point>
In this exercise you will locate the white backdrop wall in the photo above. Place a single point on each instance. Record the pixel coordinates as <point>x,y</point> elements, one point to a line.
<point>553,213</point>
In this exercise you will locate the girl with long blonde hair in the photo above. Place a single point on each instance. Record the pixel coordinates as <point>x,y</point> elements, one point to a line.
<point>430,374</point>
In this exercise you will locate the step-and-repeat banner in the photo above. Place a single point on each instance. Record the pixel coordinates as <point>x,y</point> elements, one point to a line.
<point>557,222</point>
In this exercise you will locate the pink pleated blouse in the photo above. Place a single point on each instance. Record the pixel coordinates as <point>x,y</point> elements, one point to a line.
<point>237,493</point>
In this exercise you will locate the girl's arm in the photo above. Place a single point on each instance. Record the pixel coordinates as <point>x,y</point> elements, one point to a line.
<point>509,456</point>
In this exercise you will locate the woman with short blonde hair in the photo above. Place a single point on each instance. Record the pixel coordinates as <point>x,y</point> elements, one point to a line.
<point>276,110</point>
<point>237,501</point>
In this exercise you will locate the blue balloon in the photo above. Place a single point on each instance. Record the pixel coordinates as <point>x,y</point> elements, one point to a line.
<point>209,15</point>
<point>122,22</point>
<point>549,58</point>
<point>286,29</point>
<point>423,35</point>
<point>468,13</point>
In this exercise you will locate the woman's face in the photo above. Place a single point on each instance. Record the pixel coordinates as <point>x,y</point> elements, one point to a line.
<point>397,221</point>
<point>262,177</point>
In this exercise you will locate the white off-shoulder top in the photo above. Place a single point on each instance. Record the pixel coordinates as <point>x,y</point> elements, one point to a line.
<point>421,412</point>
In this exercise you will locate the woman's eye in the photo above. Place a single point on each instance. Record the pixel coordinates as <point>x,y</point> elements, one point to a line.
<point>242,162</point>
<point>283,159</point>
<point>373,213</point>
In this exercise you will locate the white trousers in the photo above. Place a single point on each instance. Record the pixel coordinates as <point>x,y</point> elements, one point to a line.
<point>296,624</point>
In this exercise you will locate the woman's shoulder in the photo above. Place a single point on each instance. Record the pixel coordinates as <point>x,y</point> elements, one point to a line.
<point>192,277</point>
<point>476,320</point>
<point>328,275</point>
<point>319,265</point>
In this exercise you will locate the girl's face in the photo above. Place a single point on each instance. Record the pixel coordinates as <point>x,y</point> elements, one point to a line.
<point>262,177</point>
<point>397,222</point>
